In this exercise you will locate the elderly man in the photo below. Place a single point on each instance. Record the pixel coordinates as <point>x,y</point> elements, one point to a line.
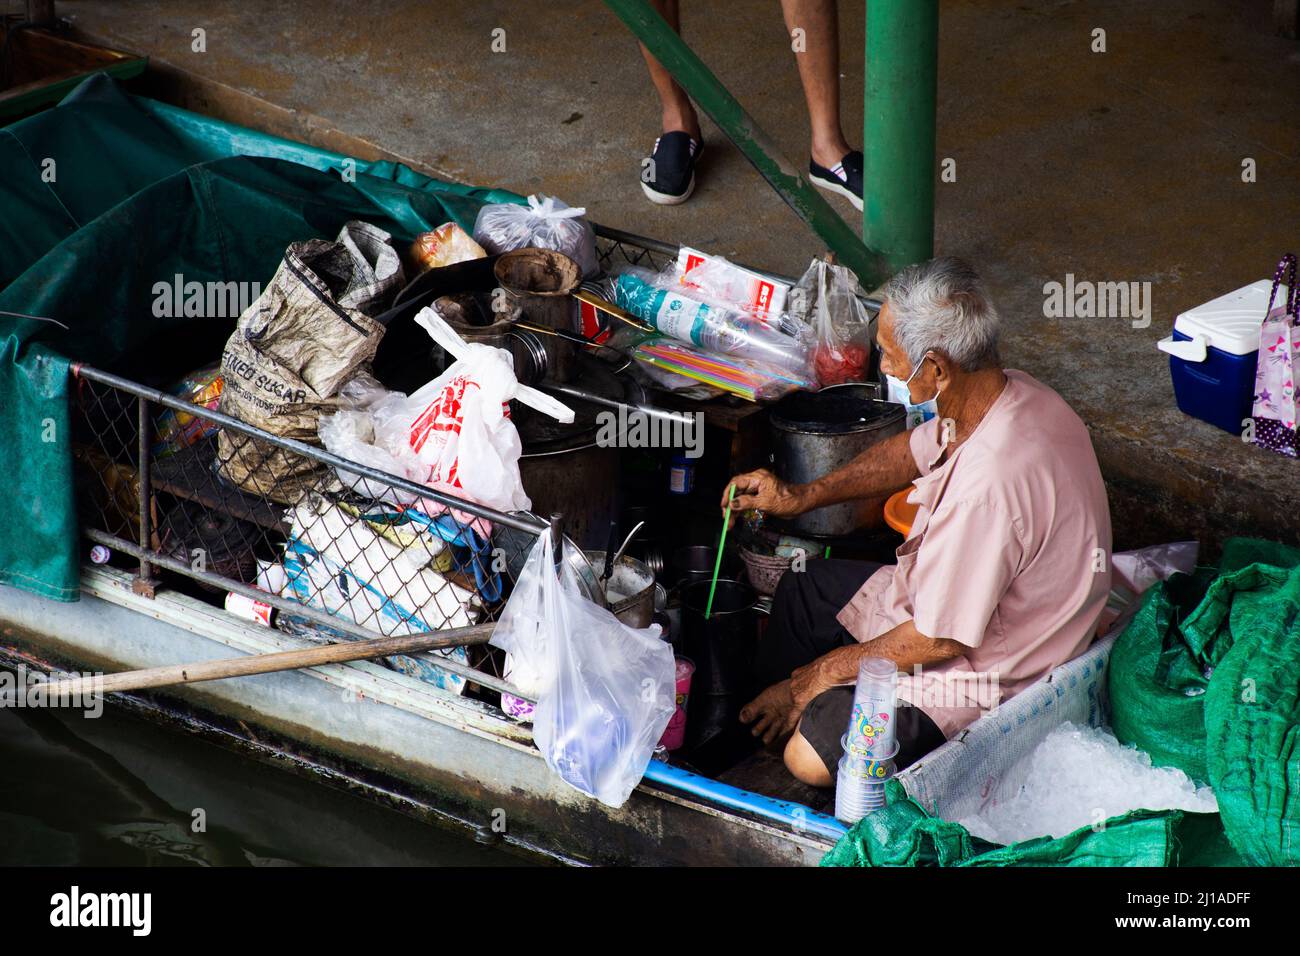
<point>1007,565</point>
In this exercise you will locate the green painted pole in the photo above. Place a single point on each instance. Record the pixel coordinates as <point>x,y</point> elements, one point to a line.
<point>902,58</point>
<point>712,97</point>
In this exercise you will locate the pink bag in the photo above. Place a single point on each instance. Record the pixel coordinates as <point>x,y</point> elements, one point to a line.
<point>1276,409</point>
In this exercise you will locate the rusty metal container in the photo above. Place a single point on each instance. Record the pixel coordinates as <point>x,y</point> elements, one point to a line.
<point>815,433</point>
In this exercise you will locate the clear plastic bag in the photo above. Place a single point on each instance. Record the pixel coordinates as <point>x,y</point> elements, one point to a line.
<point>718,281</point>
<point>545,223</point>
<point>605,691</point>
<point>444,246</point>
<point>827,299</point>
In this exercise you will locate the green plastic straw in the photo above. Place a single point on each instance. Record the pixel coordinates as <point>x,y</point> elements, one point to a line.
<point>717,565</point>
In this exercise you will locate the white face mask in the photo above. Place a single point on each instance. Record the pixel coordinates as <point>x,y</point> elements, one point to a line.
<point>899,393</point>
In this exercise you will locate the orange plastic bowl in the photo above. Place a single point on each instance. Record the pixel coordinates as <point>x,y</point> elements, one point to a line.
<point>899,515</point>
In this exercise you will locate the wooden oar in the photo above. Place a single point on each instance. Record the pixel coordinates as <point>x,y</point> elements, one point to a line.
<point>270,663</point>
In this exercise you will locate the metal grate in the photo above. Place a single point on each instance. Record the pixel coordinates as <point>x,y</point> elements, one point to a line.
<point>360,553</point>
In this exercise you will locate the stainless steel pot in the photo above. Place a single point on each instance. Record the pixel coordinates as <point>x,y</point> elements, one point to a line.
<point>630,591</point>
<point>815,433</point>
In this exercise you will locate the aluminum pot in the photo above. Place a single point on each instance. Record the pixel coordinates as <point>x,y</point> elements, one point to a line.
<point>541,283</point>
<point>815,433</point>
<point>630,591</point>
<point>695,563</point>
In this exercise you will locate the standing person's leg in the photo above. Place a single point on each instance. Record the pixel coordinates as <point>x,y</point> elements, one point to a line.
<point>819,72</point>
<point>678,113</point>
<point>835,166</point>
<point>668,175</point>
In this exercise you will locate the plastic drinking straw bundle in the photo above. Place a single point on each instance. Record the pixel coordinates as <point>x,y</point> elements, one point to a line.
<point>750,380</point>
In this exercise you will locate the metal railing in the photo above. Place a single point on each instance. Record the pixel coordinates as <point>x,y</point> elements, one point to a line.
<point>354,565</point>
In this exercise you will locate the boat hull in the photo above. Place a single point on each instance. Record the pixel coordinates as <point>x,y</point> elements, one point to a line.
<point>370,728</point>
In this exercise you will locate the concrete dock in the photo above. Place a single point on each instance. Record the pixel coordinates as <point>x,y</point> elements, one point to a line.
<point>1071,165</point>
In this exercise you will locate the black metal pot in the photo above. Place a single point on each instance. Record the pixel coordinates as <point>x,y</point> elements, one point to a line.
<point>722,646</point>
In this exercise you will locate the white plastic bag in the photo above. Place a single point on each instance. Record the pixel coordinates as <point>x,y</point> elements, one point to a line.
<point>605,691</point>
<point>545,223</point>
<point>453,434</point>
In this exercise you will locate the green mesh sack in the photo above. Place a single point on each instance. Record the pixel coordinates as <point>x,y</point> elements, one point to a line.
<point>903,834</point>
<point>1252,713</point>
<point>1157,679</point>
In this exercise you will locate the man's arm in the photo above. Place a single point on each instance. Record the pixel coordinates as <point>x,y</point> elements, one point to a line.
<point>904,645</point>
<point>877,471</point>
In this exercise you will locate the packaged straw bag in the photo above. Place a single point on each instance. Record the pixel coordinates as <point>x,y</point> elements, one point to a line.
<point>1275,410</point>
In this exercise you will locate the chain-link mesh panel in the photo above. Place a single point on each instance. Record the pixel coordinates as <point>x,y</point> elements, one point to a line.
<point>357,547</point>
<point>615,249</point>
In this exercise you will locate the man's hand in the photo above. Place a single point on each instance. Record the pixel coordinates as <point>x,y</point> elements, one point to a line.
<point>776,712</point>
<point>765,491</point>
<point>769,712</point>
<point>805,684</point>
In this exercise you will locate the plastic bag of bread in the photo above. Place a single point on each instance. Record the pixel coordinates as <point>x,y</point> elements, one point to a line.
<point>444,246</point>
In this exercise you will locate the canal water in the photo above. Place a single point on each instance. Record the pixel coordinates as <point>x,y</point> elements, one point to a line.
<point>120,791</point>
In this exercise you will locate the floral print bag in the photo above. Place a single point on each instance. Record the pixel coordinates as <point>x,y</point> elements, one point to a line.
<point>1276,407</point>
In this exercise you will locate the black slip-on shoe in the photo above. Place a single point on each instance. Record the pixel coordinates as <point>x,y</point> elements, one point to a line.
<point>843,179</point>
<point>668,176</point>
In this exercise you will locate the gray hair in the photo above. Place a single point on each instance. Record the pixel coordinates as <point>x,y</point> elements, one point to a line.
<point>944,306</point>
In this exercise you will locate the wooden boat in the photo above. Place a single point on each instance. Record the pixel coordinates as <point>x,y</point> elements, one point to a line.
<point>445,756</point>
<point>401,740</point>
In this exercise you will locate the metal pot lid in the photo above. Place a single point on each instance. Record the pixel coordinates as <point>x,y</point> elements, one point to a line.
<point>827,413</point>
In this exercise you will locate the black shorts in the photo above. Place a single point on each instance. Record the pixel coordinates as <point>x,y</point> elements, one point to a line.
<point>802,628</point>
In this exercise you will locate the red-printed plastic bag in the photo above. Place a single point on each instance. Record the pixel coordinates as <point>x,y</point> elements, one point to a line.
<point>453,434</point>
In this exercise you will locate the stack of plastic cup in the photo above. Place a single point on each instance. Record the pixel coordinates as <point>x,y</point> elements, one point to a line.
<point>870,744</point>
<point>875,700</point>
<point>860,785</point>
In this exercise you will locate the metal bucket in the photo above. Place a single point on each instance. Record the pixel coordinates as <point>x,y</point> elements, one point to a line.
<point>815,433</point>
<point>630,591</point>
<point>695,563</point>
<point>542,282</point>
<point>723,646</point>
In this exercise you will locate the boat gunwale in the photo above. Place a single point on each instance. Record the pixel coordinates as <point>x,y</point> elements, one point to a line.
<point>784,819</point>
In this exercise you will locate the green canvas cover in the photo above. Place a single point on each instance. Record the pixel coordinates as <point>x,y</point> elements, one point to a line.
<point>904,834</point>
<point>1206,678</point>
<point>107,195</point>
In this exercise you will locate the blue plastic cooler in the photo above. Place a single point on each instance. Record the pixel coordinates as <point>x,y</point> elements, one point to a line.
<point>1212,356</point>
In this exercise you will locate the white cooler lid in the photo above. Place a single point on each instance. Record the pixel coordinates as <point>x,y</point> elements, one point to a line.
<point>1231,322</point>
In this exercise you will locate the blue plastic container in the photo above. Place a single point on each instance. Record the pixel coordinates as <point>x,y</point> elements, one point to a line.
<point>1220,390</point>
<point>1212,356</point>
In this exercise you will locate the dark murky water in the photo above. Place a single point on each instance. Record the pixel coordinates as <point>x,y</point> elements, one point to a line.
<point>120,791</point>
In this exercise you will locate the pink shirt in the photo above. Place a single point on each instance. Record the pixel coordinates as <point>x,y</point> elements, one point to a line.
<point>1009,554</point>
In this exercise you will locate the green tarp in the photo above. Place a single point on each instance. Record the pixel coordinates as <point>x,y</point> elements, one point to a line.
<point>904,834</point>
<point>104,197</point>
<point>1207,678</point>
